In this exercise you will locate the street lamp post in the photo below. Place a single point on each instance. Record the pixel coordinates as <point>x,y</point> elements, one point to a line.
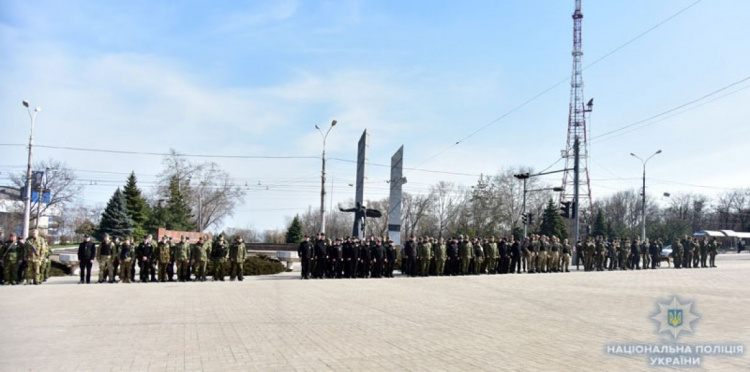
<point>323,177</point>
<point>643,212</point>
<point>27,197</point>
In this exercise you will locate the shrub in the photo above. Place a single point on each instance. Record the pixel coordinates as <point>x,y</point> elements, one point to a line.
<point>59,269</point>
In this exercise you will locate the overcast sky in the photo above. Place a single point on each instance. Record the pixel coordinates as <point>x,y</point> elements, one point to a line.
<point>255,77</point>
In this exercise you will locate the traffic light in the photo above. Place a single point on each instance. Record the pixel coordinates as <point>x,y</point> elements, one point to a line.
<point>566,209</point>
<point>573,210</point>
<point>523,219</point>
<point>531,219</point>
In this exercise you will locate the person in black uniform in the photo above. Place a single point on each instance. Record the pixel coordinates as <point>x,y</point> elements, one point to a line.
<point>354,266</point>
<point>377,252</point>
<point>411,256</point>
<point>451,266</point>
<point>144,252</point>
<point>653,250</point>
<point>504,257</point>
<point>515,256</point>
<point>305,252</point>
<point>86,256</point>
<point>321,255</point>
<point>336,257</point>
<point>364,259</point>
<point>390,257</point>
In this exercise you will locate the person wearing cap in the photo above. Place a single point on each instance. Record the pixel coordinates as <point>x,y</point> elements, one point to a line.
<point>11,257</point>
<point>86,255</point>
<point>181,253</point>
<point>410,251</point>
<point>219,258</point>
<point>125,254</point>
<point>163,257</point>
<point>390,257</point>
<point>104,257</point>
<point>34,251</point>
<point>335,257</point>
<point>305,253</point>
<point>144,253</point>
<point>237,253</point>
<point>198,259</point>
<point>321,256</point>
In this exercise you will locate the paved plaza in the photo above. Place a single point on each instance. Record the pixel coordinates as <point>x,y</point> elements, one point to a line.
<point>550,322</point>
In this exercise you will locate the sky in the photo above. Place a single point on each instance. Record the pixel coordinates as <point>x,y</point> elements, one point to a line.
<point>253,78</point>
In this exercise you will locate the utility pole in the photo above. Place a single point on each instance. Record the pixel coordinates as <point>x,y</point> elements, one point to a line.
<point>524,177</point>
<point>323,177</point>
<point>576,215</point>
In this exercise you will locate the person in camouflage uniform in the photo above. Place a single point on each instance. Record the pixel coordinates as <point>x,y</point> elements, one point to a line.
<point>465,252</point>
<point>424,256</point>
<point>478,256</point>
<point>645,255</point>
<point>237,255</point>
<point>553,263</point>
<point>439,252</point>
<point>11,258</point>
<point>162,256</point>
<point>624,253</point>
<point>542,252</point>
<point>181,254</point>
<point>713,249</point>
<point>566,249</point>
<point>126,254</point>
<point>491,255</point>
<point>104,257</point>
<point>34,251</point>
<point>198,259</point>
<point>677,253</point>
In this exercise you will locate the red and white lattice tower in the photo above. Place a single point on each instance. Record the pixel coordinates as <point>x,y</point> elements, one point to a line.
<point>577,130</point>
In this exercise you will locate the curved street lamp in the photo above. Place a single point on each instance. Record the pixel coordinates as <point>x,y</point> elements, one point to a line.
<point>27,197</point>
<point>323,177</point>
<point>643,212</point>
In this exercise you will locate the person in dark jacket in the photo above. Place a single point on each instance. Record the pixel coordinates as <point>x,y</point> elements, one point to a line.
<point>305,252</point>
<point>86,256</point>
<point>452,260</point>
<point>410,249</point>
<point>390,257</point>
<point>377,254</point>
<point>321,255</point>
<point>144,252</point>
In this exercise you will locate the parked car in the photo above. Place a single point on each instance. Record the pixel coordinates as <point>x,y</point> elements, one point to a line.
<point>666,251</point>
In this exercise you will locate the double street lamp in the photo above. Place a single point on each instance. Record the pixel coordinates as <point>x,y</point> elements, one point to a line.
<point>27,197</point>
<point>643,212</point>
<point>323,177</point>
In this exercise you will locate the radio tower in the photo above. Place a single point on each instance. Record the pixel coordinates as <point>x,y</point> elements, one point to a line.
<point>576,191</point>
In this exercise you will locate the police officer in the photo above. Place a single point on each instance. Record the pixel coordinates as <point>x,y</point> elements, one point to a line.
<point>321,253</point>
<point>390,257</point>
<point>237,253</point>
<point>515,256</point>
<point>410,249</point>
<point>305,253</point>
<point>377,254</point>
<point>219,258</point>
<point>86,256</point>
<point>336,259</point>
<point>452,257</point>
<point>653,251</point>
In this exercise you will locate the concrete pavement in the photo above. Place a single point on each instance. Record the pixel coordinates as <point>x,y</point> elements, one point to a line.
<point>521,322</point>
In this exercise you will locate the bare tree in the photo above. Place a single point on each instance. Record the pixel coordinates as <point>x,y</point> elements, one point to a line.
<point>413,208</point>
<point>211,192</point>
<point>59,180</point>
<point>444,196</point>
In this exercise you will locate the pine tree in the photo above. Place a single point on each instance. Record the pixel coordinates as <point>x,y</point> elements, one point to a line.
<point>552,222</point>
<point>136,206</point>
<point>599,229</point>
<point>115,220</point>
<point>294,233</point>
<point>179,216</point>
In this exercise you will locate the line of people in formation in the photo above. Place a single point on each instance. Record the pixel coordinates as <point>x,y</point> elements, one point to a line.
<point>376,258</point>
<point>163,260</point>
<point>624,254</point>
<point>24,260</point>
